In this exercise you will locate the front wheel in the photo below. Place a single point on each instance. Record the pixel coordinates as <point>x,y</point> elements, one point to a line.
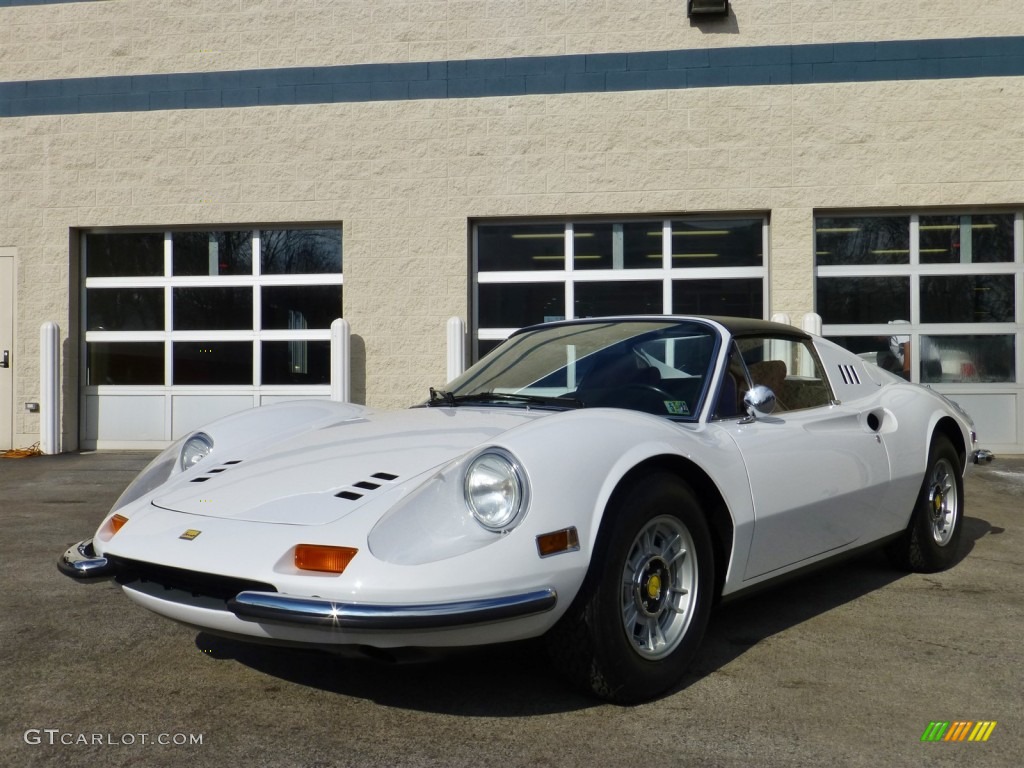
<point>932,539</point>
<point>642,611</point>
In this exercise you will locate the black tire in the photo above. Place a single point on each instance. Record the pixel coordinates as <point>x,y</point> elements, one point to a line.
<point>632,631</point>
<point>932,539</point>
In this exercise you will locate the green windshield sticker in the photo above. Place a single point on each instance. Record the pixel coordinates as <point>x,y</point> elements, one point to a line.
<point>677,407</point>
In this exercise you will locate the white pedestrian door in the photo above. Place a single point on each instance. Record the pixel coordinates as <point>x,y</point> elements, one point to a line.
<point>6,349</point>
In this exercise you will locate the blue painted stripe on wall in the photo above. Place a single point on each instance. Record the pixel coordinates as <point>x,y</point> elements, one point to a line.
<point>475,78</point>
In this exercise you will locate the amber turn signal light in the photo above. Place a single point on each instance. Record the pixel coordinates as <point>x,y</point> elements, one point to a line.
<point>565,540</point>
<point>116,523</point>
<point>317,557</point>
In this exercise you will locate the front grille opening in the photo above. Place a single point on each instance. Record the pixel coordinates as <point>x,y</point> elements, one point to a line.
<point>196,583</point>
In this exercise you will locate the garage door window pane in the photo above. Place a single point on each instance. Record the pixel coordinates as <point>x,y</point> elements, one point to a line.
<point>212,253</point>
<point>969,239</point>
<point>518,304</point>
<point>300,306</point>
<point>863,299</point>
<point>520,248</point>
<point>124,309</point>
<point>618,298</point>
<point>967,299</point>
<point>127,363</point>
<point>717,243</point>
<point>212,309</point>
<point>736,297</point>
<point>127,254</point>
<point>635,245</point>
<point>846,241</point>
<point>296,362</point>
<point>300,251</point>
<point>212,362</point>
<point>968,359</point>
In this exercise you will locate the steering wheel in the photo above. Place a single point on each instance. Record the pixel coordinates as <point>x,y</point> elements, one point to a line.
<point>649,398</point>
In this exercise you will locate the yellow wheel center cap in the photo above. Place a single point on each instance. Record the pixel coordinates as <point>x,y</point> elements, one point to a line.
<point>654,586</point>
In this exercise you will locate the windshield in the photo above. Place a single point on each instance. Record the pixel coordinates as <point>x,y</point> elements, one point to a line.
<point>656,366</point>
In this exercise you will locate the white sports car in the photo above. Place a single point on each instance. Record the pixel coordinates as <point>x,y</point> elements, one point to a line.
<point>601,482</point>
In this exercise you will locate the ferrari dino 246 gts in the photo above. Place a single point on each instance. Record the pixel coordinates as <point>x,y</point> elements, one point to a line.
<point>600,482</point>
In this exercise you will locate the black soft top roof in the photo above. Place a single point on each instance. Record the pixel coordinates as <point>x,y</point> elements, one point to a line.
<point>737,326</point>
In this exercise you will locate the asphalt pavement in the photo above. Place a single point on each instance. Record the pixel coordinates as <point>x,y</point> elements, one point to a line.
<point>847,667</point>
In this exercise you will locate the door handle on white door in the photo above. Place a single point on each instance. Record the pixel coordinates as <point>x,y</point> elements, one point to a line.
<point>5,361</point>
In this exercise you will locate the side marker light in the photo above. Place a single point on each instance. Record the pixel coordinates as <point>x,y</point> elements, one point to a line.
<point>556,542</point>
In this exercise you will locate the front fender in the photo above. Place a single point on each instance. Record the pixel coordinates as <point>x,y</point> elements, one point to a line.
<point>578,459</point>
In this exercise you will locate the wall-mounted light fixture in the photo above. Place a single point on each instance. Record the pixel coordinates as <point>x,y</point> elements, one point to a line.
<point>707,8</point>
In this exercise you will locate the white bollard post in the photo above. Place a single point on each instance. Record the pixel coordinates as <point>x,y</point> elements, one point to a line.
<point>341,361</point>
<point>781,317</point>
<point>49,388</point>
<point>456,347</point>
<point>812,323</point>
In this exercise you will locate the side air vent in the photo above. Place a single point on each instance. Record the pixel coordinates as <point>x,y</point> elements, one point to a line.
<point>849,374</point>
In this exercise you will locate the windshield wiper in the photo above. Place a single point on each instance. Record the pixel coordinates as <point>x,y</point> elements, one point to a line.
<point>441,397</point>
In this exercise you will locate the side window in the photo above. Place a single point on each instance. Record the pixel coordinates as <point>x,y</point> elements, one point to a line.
<point>789,367</point>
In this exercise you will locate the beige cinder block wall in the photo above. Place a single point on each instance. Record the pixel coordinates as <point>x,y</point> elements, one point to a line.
<point>406,177</point>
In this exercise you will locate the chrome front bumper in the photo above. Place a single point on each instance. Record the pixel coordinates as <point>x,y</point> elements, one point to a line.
<point>81,562</point>
<point>271,606</point>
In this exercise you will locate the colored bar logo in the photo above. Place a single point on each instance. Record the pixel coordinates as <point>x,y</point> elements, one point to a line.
<point>958,730</point>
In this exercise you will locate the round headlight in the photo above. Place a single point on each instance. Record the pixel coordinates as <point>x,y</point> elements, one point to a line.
<point>496,490</point>
<point>195,449</point>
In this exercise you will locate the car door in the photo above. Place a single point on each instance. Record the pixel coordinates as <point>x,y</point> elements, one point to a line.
<point>817,471</point>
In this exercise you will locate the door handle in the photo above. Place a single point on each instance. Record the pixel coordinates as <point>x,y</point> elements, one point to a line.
<point>5,361</point>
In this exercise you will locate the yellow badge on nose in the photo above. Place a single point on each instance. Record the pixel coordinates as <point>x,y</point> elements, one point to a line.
<point>190,534</point>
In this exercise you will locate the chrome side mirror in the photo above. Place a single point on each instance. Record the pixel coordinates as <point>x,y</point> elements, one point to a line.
<point>760,401</point>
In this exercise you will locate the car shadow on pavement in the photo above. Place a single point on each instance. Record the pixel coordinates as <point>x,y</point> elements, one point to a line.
<point>517,679</point>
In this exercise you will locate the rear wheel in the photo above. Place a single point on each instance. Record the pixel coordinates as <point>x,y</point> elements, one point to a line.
<point>932,539</point>
<point>642,611</point>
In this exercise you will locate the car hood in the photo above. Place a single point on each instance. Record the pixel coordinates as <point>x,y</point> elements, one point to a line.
<point>324,474</point>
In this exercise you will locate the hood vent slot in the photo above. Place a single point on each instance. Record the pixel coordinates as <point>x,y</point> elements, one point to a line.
<point>366,485</point>
<point>215,471</point>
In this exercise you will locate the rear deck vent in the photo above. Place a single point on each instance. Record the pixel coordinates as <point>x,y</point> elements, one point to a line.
<point>366,485</point>
<point>384,476</point>
<point>236,461</point>
<point>200,479</point>
<point>350,495</point>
